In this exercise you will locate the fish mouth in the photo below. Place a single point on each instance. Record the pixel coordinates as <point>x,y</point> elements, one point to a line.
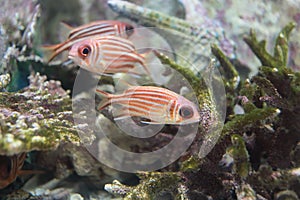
<point>71,57</point>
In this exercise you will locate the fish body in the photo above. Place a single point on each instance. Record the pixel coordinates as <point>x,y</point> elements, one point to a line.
<point>159,105</point>
<point>107,55</point>
<point>10,168</point>
<point>96,28</point>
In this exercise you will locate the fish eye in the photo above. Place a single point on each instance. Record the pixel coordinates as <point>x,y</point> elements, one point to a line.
<point>84,50</point>
<point>129,30</point>
<point>186,112</point>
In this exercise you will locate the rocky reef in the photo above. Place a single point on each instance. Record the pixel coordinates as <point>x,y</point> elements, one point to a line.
<point>260,162</point>
<point>252,145</point>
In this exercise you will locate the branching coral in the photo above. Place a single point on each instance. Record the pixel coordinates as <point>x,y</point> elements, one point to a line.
<point>263,138</point>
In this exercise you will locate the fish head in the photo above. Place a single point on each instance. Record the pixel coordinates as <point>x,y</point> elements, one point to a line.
<point>128,29</point>
<point>187,111</point>
<point>81,53</point>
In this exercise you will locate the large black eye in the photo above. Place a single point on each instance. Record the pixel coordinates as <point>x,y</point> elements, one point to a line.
<point>84,50</point>
<point>186,112</point>
<point>129,30</point>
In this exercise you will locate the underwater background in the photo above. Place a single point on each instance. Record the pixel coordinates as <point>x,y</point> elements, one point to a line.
<point>247,143</point>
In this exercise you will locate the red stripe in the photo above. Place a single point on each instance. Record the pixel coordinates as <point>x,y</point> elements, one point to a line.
<point>143,93</point>
<point>153,89</point>
<point>100,33</point>
<point>172,107</point>
<point>104,23</point>
<point>143,97</point>
<point>138,112</point>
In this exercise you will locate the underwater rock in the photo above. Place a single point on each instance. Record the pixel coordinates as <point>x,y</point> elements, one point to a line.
<point>37,118</point>
<point>169,7</point>
<point>266,18</point>
<point>151,186</point>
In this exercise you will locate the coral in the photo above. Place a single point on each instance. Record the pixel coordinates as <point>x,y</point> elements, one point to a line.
<point>4,81</point>
<point>260,142</point>
<point>265,139</point>
<point>236,19</point>
<point>239,153</point>
<point>279,59</point>
<point>152,186</point>
<point>37,118</point>
<point>202,90</point>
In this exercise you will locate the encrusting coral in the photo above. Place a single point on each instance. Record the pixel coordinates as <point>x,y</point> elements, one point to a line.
<point>39,117</point>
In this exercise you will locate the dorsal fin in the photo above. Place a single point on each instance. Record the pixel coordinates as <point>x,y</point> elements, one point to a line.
<point>65,30</point>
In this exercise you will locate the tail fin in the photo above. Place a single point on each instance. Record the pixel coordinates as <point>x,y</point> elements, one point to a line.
<point>105,99</point>
<point>50,52</point>
<point>147,56</point>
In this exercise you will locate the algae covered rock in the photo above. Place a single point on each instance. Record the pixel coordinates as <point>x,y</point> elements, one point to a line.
<point>39,117</point>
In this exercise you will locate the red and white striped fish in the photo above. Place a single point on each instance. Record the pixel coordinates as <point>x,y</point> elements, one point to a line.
<point>159,105</point>
<point>107,55</point>
<point>10,168</point>
<point>96,28</point>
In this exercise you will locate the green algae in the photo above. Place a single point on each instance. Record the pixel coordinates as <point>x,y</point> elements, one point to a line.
<point>192,163</point>
<point>239,153</point>
<point>151,186</point>
<point>241,123</point>
<point>197,83</point>
<point>279,59</point>
<point>231,76</point>
<point>35,118</point>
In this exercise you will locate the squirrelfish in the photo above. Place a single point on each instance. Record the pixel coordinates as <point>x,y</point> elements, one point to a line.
<point>156,104</point>
<point>96,28</point>
<point>11,168</point>
<point>107,55</point>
